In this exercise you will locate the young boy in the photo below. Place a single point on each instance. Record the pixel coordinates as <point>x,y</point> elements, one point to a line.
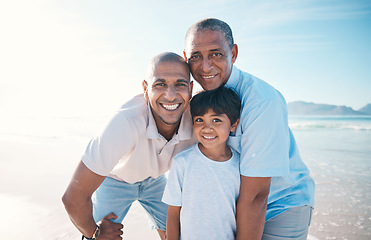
<point>204,180</point>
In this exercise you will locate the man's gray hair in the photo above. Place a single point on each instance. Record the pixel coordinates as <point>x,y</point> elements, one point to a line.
<point>213,24</point>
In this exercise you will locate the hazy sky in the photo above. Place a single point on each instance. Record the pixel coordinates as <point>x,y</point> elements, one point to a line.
<point>86,57</point>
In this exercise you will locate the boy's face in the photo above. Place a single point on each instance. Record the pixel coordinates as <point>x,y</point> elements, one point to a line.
<point>212,130</point>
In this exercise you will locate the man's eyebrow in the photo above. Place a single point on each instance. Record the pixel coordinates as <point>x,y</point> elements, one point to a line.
<point>211,50</point>
<point>160,80</point>
<point>216,50</point>
<point>183,80</point>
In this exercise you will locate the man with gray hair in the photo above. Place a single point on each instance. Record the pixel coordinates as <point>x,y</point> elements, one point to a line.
<point>277,193</point>
<point>128,159</point>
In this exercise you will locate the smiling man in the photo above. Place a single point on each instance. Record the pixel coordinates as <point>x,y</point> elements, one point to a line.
<point>277,193</point>
<point>127,160</point>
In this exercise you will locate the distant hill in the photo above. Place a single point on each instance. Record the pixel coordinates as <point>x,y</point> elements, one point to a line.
<point>366,109</point>
<point>308,108</point>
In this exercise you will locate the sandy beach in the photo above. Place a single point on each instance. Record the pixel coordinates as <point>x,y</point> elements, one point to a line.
<point>35,175</point>
<point>36,171</point>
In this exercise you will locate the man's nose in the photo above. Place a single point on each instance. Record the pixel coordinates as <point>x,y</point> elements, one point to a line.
<point>170,93</point>
<point>206,64</point>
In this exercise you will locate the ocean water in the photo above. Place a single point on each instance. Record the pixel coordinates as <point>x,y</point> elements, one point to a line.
<point>336,149</point>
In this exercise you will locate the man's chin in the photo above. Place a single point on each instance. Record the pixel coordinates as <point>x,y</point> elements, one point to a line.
<point>170,122</point>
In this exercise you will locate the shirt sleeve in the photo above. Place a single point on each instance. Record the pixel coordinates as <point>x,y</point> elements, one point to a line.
<point>105,150</point>
<point>173,190</point>
<point>265,139</point>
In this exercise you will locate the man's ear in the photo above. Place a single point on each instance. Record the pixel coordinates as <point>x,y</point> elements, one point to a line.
<point>185,56</point>
<point>145,89</point>
<point>234,125</point>
<point>234,53</point>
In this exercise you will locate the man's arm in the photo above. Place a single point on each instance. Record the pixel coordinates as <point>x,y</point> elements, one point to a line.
<point>173,223</point>
<point>252,207</point>
<point>77,201</point>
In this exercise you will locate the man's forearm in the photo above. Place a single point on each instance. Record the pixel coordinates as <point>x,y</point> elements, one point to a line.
<point>250,219</point>
<point>252,207</point>
<point>77,198</point>
<point>80,213</point>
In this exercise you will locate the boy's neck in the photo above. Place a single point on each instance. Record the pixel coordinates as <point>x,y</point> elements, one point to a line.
<point>220,154</point>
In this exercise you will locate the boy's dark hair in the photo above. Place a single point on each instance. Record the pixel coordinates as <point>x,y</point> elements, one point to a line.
<point>222,100</point>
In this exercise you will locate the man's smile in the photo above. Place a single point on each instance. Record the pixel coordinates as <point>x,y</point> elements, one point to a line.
<point>208,76</point>
<point>170,107</point>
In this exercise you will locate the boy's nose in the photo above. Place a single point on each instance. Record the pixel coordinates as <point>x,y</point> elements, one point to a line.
<point>207,127</point>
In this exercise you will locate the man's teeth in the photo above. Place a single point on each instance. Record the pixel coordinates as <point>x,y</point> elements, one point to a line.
<point>170,107</point>
<point>208,77</point>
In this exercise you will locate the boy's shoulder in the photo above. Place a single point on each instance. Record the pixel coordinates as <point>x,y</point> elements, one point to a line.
<point>185,154</point>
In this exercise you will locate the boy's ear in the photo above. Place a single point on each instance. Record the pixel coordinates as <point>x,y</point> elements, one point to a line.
<point>234,125</point>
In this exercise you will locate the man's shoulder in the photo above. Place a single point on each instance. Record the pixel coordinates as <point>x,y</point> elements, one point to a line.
<point>255,89</point>
<point>135,109</point>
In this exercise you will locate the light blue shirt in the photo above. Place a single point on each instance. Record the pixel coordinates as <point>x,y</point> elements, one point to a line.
<point>267,146</point>
<point>207,191</point>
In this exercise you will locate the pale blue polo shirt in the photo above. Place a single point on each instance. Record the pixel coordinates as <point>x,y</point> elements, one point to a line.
<point>267,146</point>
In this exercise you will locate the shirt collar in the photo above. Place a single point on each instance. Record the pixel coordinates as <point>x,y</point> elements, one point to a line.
<point>233,78</point>
<point>184,131</point>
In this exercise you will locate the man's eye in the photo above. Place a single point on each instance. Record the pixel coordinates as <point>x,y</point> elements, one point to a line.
<point>194,57</point>
<point>216,55</point>
<point>181,85</point>
<point>159,84</point>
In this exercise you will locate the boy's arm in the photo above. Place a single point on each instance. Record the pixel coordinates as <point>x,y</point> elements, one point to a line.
<point>173,223</point>
<point>252,207</point>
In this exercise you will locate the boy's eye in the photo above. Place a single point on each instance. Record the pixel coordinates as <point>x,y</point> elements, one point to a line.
<point>216,120</point>
<point>198,120</point>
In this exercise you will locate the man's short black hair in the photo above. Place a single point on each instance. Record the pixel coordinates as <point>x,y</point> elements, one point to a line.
<point>222,100</point>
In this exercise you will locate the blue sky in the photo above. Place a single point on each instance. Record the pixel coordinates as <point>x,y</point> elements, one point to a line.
<point>87,57</point>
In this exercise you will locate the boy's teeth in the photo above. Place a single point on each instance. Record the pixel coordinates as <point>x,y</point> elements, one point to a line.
<point>170,107</point>
<point>208,137</point>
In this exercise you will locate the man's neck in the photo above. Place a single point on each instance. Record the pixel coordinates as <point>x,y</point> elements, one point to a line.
<point>168,131</point>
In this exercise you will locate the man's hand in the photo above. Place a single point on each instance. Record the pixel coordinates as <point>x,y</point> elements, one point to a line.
<point>110,230</point>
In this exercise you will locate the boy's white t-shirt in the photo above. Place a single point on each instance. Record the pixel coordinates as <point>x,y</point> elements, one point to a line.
<point>207,191</point>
